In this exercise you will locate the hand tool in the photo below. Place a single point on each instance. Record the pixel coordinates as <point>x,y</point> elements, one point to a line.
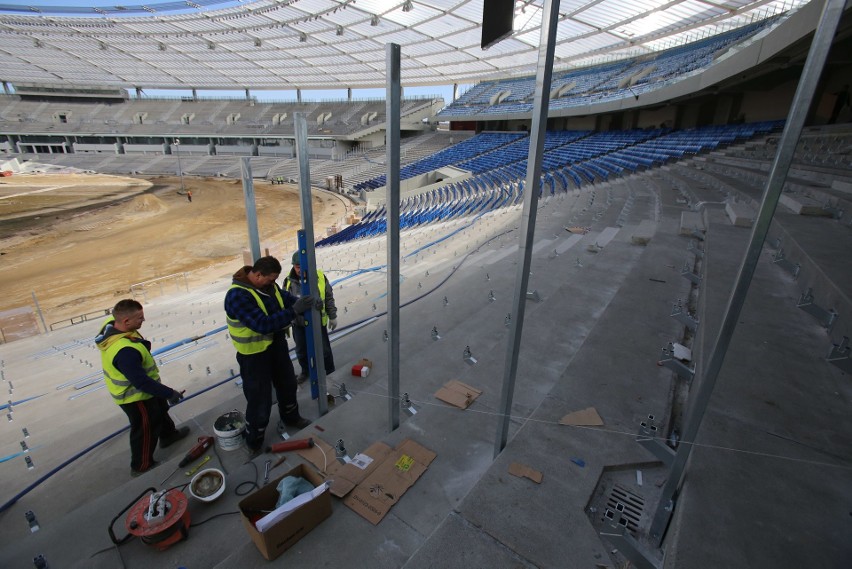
<point>204,443</point>
<point>195,468</point>
<point>266,472</point>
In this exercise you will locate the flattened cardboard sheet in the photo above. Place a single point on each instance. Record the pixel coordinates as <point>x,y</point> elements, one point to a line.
<point>378,492</point>
<point>524,471</point>
<point>587,417</point>
<point>458,394</point>
<point>344,476</point>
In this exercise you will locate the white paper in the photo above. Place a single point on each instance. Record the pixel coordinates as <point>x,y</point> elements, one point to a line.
<point>361,460</point>
<point>287,508</point>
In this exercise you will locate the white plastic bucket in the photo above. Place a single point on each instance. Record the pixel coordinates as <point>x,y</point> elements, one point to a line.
<point>229,428</point>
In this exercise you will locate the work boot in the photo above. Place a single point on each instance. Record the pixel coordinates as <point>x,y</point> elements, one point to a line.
<point>135,473</point>
<point>169,440</point>
<point>301,378</point>
<point>299,423</point>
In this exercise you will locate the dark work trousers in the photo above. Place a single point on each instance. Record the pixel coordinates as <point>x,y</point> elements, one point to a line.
<point>299,338</point>
<point>149,420</point>
<point>261,373</point>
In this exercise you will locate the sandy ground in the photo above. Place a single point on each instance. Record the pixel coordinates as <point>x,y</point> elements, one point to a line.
<point>78,242</point>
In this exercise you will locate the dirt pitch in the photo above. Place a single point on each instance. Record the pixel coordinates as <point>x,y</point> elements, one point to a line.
<point>79,241</point>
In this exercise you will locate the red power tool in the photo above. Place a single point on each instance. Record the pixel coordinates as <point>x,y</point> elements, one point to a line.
<point>202,445</point>
<point>286,446</point>
<point>196,451</point>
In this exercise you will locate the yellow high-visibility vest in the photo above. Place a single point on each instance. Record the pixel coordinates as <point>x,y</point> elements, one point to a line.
<point>246,340</point>
<point>117,384</point>
<point>321,287</point>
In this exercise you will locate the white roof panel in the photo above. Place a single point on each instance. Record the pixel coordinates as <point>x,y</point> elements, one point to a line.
<point>439,40</point>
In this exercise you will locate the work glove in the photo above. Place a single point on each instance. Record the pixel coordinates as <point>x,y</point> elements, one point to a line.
<point>299,321</point>
<point>176,397</point>
<point>304,304</point>
<point>332,324</point>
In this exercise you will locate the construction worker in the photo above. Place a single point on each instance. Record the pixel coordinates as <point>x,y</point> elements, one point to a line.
<point>258,314</point>
<point>293,285</point>
<point>133,380</point>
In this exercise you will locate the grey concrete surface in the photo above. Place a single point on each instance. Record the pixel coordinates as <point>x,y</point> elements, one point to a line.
<point>767,485</point>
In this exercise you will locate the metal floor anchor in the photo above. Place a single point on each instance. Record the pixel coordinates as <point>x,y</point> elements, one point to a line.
<point>840,355</point>
<point>683,316</point>
<point>668,360</point>
<point>826,318</point>
<point>792,268</point>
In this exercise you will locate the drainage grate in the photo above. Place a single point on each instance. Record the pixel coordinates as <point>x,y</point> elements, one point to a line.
<point>627,505</point>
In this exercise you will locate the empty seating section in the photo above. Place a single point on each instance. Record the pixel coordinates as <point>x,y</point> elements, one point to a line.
<point>452,155</point>
<point>570,160</point>
<point>170,117</point>
<point>600,83</point>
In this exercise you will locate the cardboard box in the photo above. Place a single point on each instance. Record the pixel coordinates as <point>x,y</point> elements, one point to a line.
<point>374,496</point>
<point>287,531</point>
<point>360,371</point>
<point>365,362</point>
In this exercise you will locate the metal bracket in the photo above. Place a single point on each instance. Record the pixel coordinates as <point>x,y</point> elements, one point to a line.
<point>533,295</point>
<point>687,273</point>
<point>668,360</point>
<point>683,316</point>
<point>618,535</point>
<point>344,393</point>
<point>826,318</point>
<point>468,356</point>
<point>792,268</point>
<point>840,355</point>
<point>340,452</point>
<point>693,248</point>
<point>407,405</point>
<point>648,437</point>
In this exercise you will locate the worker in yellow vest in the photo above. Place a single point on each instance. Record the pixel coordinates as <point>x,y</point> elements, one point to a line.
<point>293,285</point>
<point>258,314</point>
<point>133,381</point>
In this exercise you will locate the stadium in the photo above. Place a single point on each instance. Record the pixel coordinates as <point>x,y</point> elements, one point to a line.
<point>600,287</point>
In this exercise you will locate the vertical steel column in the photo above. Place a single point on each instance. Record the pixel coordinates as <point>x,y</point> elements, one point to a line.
<point>40,315</point>
<point>251,207</point>
<point>310,272</point>
<point>820,46</point>
<point>180,168</point>
<point>531,187</point>
<point>392,112</point>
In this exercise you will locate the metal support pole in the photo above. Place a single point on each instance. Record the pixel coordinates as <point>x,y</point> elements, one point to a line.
<point>180,168</point>
<point>38,309</point>
<point>820,46</point>
<point>393,98</point>
<point>544,72</point>
<point>251,208</point>
<point>309,271</point>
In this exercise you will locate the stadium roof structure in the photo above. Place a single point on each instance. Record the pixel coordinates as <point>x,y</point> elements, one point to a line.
<point>322,44</point>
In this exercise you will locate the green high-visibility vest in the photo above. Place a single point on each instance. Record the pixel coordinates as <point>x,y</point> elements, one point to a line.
<point>117,384</point>
<point>246,340</point>
<point>321,287</point>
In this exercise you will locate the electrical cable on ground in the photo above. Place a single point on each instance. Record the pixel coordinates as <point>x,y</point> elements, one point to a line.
<point>252,484</point>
